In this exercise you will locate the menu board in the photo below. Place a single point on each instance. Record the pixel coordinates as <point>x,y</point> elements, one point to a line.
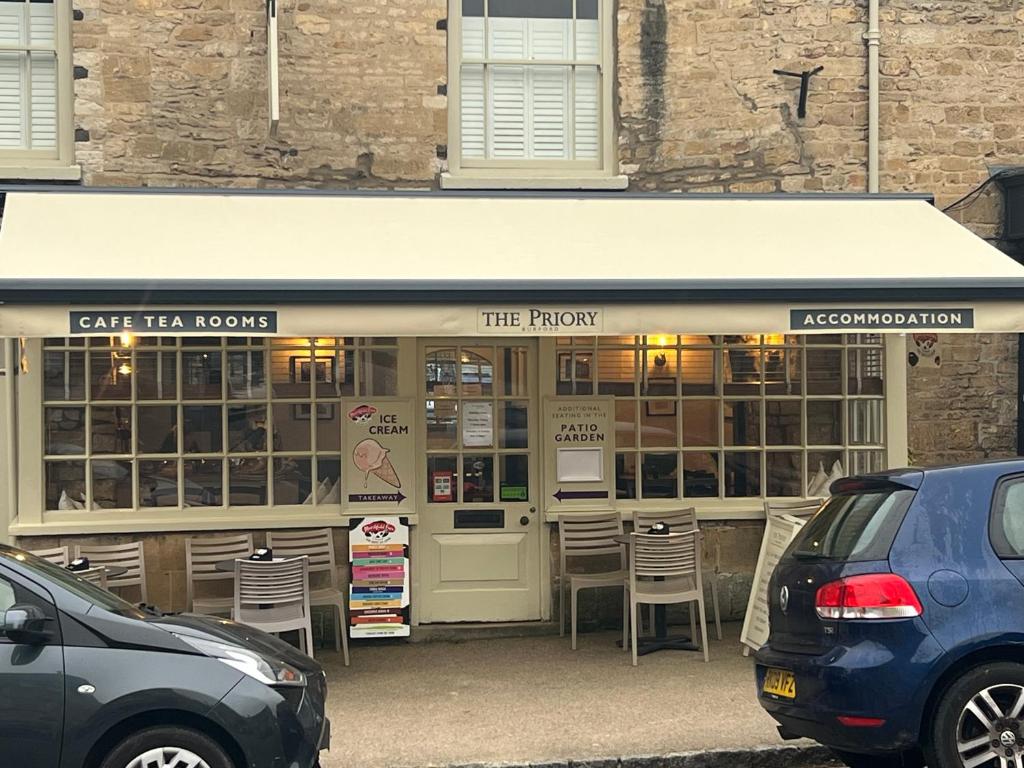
<point>379,440</point>
<point>579,438</point>
<point>379,593</point>
<point>779,532</point>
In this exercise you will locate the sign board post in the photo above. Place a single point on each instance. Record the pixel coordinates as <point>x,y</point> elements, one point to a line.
<point>379,594</point>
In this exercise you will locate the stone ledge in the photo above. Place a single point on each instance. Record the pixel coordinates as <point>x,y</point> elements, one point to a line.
<point>758,757</point>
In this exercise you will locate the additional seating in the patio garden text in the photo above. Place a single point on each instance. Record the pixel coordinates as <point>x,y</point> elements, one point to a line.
<point>202,553</point>
<point>130,556</point>
<point>582,536</point>
<point>274,597</point>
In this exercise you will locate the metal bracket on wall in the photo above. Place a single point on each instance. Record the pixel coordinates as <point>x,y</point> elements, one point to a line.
<point>805,84</point>
<point>273,97</point>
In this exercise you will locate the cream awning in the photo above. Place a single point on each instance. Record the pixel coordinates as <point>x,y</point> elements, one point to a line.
<point>433,263</point>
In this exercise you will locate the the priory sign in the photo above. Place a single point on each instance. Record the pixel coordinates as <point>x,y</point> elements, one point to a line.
<point>174,321</point>
<point>540,321</point>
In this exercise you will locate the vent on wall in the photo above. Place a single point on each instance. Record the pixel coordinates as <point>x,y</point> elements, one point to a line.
<point>1013,206</point>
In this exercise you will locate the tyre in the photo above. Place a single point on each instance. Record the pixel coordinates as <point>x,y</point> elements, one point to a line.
<point>979,720</point>
<point>904,760</point>
<point>167,747</point>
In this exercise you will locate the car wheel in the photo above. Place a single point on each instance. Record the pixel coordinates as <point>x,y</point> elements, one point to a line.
<point>167,747</point>
<point>980,720</point>
<point>857,760</point>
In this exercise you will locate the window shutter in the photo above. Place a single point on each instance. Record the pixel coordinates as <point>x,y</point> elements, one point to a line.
<point>11,64</point>
<point>507,86</point>
<point>587,96</point>
<point>44,76</point>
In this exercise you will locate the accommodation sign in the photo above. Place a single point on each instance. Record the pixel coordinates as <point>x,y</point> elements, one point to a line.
<point>175,321</point>
<point>881,319</point>
<point>540,321</point>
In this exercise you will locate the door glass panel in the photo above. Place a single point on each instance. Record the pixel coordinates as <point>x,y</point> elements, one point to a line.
<point>514,371</point>
<point>477,479</point>
<point>442,479</point>
<point>515,424</point>
<point>515,477</point>
<point>442,424</point>
<point>440,372</point>
<point>477,371</point>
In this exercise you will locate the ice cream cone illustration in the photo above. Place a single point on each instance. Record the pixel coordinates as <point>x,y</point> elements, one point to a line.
<point>370,457</point>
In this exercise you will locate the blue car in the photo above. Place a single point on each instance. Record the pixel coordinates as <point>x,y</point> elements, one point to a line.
<point>897,621</point>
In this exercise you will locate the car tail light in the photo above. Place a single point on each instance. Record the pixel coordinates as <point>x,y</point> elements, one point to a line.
<point>872,596</point>
<point>851,721</point>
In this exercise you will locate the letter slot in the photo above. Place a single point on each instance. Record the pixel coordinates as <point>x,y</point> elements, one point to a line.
<point>479,518</point>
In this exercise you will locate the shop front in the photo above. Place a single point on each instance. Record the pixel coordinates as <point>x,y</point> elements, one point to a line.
<point>180,363</point>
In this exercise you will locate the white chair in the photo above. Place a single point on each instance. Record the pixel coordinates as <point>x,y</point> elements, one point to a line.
<point>680,520</point>
<point>59,556</point>
<point>665,569</point>
<point>97,576</point>
<point>274,597</point>
<point>131,557</point>
<point>202,553</point>
<point>318,546</point>
<point>589,536</point>
<point>802,508</point>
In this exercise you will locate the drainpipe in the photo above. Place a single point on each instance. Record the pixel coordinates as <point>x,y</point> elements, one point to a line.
<point>10,447</point>
<point>873,37</point>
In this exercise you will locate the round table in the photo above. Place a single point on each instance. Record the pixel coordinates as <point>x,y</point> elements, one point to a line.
<point>661,640</point>
<point>113,571</point>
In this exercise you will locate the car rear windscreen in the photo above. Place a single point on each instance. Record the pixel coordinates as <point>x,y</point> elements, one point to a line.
<point>854,526</point>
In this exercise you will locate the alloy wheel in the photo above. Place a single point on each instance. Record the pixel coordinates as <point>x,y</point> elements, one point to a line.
<point>168,757</point>
<point>990,731</point>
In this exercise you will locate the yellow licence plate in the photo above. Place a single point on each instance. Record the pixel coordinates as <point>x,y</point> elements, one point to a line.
<point>780,682</point>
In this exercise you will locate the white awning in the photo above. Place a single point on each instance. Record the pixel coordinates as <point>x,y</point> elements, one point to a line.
<point>431,263</point>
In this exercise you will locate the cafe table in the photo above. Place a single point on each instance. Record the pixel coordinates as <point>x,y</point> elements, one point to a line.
<point>661,640</point>
<point>113,571</point>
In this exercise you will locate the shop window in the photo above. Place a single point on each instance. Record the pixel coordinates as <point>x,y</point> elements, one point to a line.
<point>740,416</point>
<point>202,421</point>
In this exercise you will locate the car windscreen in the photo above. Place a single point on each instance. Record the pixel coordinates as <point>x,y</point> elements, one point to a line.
<point>47,571</point>
<point>854,526</point>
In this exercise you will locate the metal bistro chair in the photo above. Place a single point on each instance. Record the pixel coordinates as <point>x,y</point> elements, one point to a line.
<point>59,556</point>
<point>586,536</point>
<point>678,521</point>
<point>131,557</point>
<point>274,597</point>
<point>665,569</point>
<point>202,553</point>
<point>318,546</point>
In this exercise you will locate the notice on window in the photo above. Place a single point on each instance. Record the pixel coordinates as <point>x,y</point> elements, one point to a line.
<point>379,439</point>
<point>477,424</point>
<point>379,595</point>
<point>779,532</point>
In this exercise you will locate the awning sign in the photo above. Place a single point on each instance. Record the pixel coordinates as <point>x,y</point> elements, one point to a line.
<point>907,319</point>
<point>175,321</point>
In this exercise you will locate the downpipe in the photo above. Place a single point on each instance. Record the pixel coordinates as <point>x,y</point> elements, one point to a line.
<point>873,38</point>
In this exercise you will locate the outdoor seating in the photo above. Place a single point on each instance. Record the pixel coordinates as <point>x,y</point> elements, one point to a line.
<point>318,546</point>
<point>678,521</point>
<point>59,556</point>
<point>802,508</point>
<point>665,569</point>
<point>130,556</point>
<point>583,536</point>
<point>202,553</point>
<point>274,597</point>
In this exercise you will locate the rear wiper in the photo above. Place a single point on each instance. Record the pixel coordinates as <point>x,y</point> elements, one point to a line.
<point>808,555</point>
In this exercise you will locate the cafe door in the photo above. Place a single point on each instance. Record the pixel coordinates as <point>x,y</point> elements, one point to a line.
<point>480,532</point>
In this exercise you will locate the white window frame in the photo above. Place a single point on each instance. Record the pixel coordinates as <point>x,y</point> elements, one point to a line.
<point>532,174</point>
<point>56,163</point>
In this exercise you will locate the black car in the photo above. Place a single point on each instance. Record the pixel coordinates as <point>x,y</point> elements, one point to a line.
<point>90,681</point>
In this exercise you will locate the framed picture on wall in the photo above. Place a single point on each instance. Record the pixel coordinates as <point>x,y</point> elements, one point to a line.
<point>302,370</point>
<point>661,407</point>
<point>302,411</point>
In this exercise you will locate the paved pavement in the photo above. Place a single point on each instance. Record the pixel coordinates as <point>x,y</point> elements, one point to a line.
<point>533,700</point>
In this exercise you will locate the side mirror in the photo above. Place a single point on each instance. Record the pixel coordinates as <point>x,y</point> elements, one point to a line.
<point>25,624</point>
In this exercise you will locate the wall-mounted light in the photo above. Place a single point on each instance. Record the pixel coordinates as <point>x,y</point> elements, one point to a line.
<point>127,340</point>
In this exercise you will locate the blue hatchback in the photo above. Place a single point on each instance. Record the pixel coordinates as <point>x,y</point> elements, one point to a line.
<point>897,621</point>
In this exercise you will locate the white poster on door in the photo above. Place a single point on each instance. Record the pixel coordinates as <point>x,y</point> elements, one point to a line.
<point>477,424</point>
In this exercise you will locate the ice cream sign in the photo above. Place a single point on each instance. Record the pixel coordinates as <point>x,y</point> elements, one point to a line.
<point>379,444</point>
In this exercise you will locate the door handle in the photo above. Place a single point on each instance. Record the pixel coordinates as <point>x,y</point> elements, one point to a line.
<point>524,520</point>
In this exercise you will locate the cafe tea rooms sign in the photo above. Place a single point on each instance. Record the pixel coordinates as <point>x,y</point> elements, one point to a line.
<point>174,321</point>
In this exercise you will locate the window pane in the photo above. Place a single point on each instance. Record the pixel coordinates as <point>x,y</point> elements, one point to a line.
<point>867,422</point>
<point>156,375</point>
<point>700,375</point>
<point>824,371</point>
<point>247,479</point>
<point>440,372</point>
<point>65,431</point>
<point>514,424</point>
<point>784,473</point>
<point>472,7</point>
<point>742,371</point>
<point>157,431</point>
<point>286,366</point>
<point>328,430</point>
<point>658,424</point>
<point>575,372</point>
<point>158,483</point>
<point>743,474</point>
<point>700,475</point>
<point>477,478</point>
<point>202,429</point>
<point>863,462</point>
<point>532,9</point>
<point>514,369</point>
<point>477,371</point>
<point>111,484</point>
<point>617,371</point>
<point>201,375</point>
<point>866,371</point>
<point>515,477</point>
<point>442,424</point>
<point>660,475</point>
<point>111,429</point>
<point>824,422</point>
<point>586,9</point>
<point>823,467</point>
<point>65,485</point>
<point>63,375</point>
<point>782,422</point>
<point>625,475</point>
<point>332,373</point>
<point>110,375</point>
<point>783,372</point>
<point>700,422</point>
<point>247,428</point>
<point>328,478</point>
<point>625,423</point>
<point>378,372</point>
<point>204,483</point>
<point>660,366</point>
<point>292,427</point>
<point>247,377</point>
<point>293,481</point>
<point>442,479</point>
<point>742,422</point>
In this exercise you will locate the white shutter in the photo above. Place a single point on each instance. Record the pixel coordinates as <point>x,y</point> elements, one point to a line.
<point>42,30</point>
<point>549,112</point>
<point>472,101</point>
<point>587,39</point>
<point>508,112</point>
<point>587,104</point>
<point>12,23</point>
